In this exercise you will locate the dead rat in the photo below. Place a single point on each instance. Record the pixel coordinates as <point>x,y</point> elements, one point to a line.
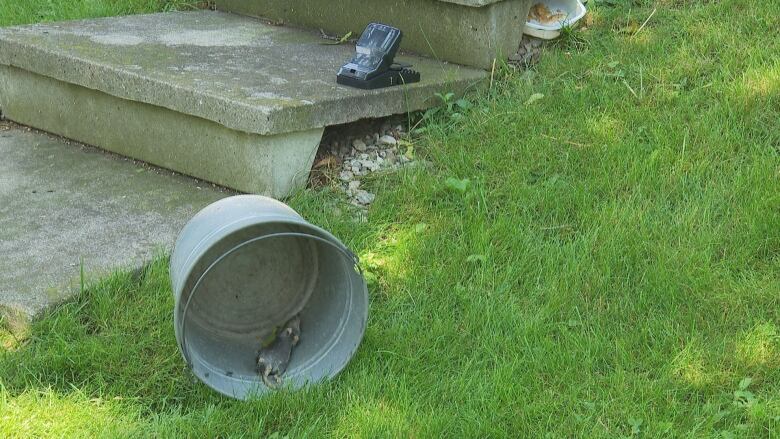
<point>273,360</point>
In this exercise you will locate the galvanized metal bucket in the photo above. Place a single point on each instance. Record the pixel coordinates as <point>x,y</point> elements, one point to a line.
<point>246,265</point>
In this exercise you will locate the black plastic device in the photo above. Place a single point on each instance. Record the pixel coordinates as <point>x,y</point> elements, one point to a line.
<point>373,65</point>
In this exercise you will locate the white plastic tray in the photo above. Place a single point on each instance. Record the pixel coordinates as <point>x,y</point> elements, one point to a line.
<point>574,10</point>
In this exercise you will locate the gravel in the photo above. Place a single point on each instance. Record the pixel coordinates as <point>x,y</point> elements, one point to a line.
<point>350,157</point>
<point>528,54</point>
<point>388,140</point>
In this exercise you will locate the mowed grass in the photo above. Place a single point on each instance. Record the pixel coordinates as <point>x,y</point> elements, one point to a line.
<point>14,12</point>
<point>602,262</point>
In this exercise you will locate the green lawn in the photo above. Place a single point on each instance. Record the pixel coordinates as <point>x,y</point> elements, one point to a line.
<point>612,268</point>
<point>32,11</point>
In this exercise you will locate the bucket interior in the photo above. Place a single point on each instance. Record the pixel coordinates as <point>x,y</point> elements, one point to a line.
<point>255,286</point>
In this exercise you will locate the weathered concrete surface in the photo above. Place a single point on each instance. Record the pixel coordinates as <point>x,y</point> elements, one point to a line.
<point>64,203</point>
<point>273,165</point>
<point>474,3</point>
<point>469,32</point>
<point>228,69</point>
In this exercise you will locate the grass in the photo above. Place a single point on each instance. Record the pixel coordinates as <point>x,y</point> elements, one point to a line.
<point>14,12</point>
<point>600,262</point>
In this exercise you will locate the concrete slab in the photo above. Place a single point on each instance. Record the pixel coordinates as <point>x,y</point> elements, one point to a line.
<point>63,204</point>
<point>274,165</point>
<point>468,32</point>
<point>217,96</point>
<point>232,70</point>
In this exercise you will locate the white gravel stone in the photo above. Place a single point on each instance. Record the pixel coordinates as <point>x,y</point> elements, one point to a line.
<point>388,140</point>
<point>359,145</point>
<point>364,197</point>
<point>353,186</point>
<point>370,165</point>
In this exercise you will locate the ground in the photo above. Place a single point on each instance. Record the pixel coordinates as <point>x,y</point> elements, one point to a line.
<point>594,253</point>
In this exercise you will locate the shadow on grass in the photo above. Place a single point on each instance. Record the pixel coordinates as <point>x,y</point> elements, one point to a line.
<point>114,340</point>
<point>107,363</point>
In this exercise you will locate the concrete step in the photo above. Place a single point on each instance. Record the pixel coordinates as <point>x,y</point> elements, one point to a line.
<point>64,206</point>
<point>218,96</point>
<point>468,32</point>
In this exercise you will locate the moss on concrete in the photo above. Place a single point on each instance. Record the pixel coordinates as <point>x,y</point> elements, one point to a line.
<point>232,70</point>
